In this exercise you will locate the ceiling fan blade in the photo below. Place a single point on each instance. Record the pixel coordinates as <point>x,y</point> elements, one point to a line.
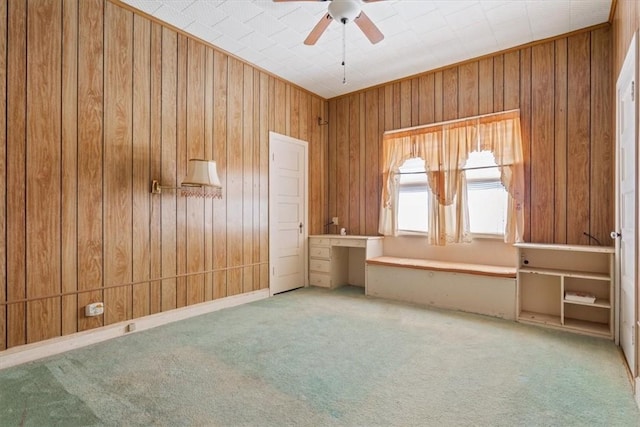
<point>368,28</point>
<point>282,1</point>
<point>317,31</point>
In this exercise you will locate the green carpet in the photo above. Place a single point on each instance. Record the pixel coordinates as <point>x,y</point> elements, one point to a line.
<point>314,357</point>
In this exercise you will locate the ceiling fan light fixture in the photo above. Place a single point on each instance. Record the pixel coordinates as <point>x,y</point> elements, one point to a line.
<point>344,10</point>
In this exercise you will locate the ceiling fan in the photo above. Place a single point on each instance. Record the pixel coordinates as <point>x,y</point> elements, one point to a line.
<point>344,11</point>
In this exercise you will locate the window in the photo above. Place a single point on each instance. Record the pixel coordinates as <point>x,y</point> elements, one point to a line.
<point>446,148</point>
<point>413,197</point>
<point>486,196</point>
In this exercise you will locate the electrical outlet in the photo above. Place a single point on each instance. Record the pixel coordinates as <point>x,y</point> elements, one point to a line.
<point>94,309</point>
<point>334,220</point>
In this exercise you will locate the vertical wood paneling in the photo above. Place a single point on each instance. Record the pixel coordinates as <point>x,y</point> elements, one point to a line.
<point>280,107</point>
<point>209,241</point>
<point>342,162</point>
<point>43,160</point>
<point>264,180</point>
<point>437,91</point>
<point>468,90</point>
<point>90,159</point>
<point>155,110</point>
<point>118,163</point>
<point>525,123</point>
<point>234,173</point>
<point>181,169</point>
<point>602,197</point>
<point>294,112</point>
<point>332,160</point>
<point>511,85</point>
<point>578,138</point>
<point>121,112</point>
<point>247,172</point>
<point>450,94</point>
<point>426,94</point>
<point>560,160</point>
<point>287,108</point>
<point>316,166</point>
<point>498,83</point>
<point>168,168</point>
<point>415,101</point>
<point>388,107</point>
<point>485,86</point>
<point>372,176</point>
<point>362,203</point>
<point>16,171</point>
<point>543,83</point>
<point>141,163</point>
<point>3,177</point>
<point>626,22</point>
<point>381,129</point>
<point>255,172</point>
<point>220,74</point>
<point>99,102</point>
<point>542,142</point>
<point>195,149</point>
<point>353,159</point>
<point>396,99</point>
<point>69,166</point>
<point>405,104</point>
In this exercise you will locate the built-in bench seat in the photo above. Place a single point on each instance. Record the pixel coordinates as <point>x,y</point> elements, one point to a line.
<point>475,288</point>
<point>451,267</point>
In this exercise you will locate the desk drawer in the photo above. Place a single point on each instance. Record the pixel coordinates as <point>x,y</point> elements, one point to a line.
<point>319,279</point>
<point>352,243</point>
<point>319,252</point>
<point>323,265</point>
<point>319,241</point>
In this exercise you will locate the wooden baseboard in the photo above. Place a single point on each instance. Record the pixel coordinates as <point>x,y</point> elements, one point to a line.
<point>30,352</point>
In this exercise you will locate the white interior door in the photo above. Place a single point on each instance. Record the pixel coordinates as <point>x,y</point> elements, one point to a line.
<point>626,204</point>
<point>287,213</point>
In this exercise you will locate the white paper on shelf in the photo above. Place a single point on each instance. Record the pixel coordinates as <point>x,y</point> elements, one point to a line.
<point>579,297</point>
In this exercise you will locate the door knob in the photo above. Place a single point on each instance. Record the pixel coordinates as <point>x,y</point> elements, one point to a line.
<point>614,234</point>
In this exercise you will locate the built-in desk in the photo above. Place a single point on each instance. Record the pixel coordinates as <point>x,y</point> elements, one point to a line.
<point>336,260</point>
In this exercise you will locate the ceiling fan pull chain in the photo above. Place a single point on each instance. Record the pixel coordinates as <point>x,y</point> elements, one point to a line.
<point>344,52</point>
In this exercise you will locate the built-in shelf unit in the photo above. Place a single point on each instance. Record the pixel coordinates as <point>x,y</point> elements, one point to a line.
<point>546,272</point>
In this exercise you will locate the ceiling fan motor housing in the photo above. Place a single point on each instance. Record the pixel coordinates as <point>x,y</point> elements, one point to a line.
<point>344,10</point>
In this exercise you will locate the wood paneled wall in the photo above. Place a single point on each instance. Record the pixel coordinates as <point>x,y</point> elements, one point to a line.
<point>563,90</point>
<point>626,22</point>
<point>97,102</point>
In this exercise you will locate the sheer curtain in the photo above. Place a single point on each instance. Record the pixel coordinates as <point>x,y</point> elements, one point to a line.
<point>394,153</point>
<point>503,137</point>
<point>445,148</point>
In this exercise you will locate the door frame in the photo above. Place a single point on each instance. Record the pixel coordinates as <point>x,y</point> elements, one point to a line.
<point>305,215</point>
<point>631,55</point>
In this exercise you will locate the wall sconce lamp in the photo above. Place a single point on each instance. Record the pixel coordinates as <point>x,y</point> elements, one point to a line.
<point>201,181</point>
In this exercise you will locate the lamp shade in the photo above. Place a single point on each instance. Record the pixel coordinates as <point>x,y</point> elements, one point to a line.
<point>201,173</point>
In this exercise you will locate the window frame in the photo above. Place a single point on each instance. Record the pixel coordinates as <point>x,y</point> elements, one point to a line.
<point>474,235</point>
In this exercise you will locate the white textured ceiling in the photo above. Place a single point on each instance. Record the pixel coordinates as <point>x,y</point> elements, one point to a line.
<point>420,35</point>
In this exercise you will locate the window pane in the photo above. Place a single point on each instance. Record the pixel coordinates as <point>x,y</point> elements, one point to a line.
<point>487,210</point>
<point>486,196</point>
<point>413,211</point>
<point>413,197</point>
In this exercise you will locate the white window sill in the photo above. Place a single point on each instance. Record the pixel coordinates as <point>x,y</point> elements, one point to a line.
<point>487,236</point>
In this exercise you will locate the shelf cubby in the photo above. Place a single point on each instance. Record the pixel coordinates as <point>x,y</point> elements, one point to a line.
<point>547,271</point>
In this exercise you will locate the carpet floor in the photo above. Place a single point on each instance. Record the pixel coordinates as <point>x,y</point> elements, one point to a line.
<point>314,357</point>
